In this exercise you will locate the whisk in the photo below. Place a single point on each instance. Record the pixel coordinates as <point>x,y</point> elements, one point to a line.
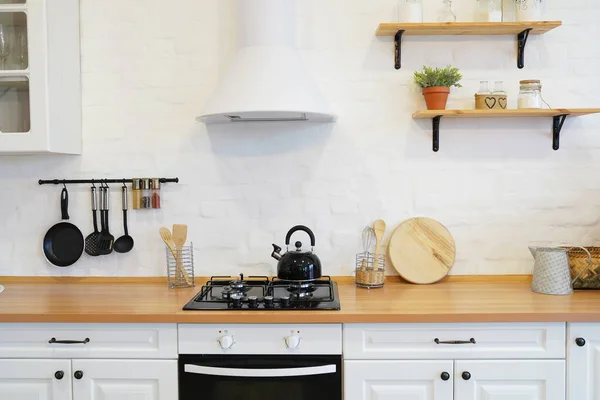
<point>368,237</point>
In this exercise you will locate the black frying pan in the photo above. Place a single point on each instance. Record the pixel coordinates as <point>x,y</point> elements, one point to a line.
<point>63,243</point>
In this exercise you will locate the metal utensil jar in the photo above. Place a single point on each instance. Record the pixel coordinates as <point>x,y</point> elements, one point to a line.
<point>530,94</point>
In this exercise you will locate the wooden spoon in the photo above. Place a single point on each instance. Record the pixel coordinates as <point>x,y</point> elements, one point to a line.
<point>379,228</point>
<point>166,236</point>
<point>179,237</point>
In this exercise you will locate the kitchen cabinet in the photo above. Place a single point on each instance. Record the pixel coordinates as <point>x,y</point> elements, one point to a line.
<point>583,361</point>
<point>124,379</point>
<point>459,361</point>
<point>88,361</point>
<point>35,379</point>
<point>40,80</point>
<point>415,380</point>
<point>509,379</point>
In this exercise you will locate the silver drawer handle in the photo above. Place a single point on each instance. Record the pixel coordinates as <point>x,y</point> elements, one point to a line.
<point>54,341</point>
<point>470,341</point>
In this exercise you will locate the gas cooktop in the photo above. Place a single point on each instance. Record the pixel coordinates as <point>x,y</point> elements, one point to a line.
<point>263,293</point>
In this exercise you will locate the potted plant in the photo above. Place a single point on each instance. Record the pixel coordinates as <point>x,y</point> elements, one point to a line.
<point>436,85</point>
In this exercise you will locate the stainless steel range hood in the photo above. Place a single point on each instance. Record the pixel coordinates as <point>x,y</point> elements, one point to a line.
<point>266,81</point>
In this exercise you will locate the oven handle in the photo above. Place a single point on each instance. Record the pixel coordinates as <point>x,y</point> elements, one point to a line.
<point>260,373</point>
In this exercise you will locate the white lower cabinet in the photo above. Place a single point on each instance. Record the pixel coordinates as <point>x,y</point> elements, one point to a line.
<point>510,380</point>
<point>124,380</point>
<point>583,357</point>
<point>43,379</point>
<point>35,379</point>
<point>392,380</point>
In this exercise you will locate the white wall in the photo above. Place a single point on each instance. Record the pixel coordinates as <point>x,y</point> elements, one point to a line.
<point>149,66</point>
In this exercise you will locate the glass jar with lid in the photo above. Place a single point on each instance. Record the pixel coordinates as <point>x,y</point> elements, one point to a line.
<point>530,94</point>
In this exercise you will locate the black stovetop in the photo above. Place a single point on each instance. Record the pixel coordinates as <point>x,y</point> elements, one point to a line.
<point>263,293</point>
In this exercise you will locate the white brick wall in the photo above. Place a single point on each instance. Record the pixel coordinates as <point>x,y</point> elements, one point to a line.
<point>148,67</point>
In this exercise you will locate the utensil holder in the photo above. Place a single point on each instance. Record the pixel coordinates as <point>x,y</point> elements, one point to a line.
<point>180,267</point>
<point>370,273</point>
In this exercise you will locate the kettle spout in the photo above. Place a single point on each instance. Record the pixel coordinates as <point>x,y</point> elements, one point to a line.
<point>276,252</point>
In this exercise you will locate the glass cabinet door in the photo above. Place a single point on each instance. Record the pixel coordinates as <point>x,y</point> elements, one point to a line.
<point>14,69</point>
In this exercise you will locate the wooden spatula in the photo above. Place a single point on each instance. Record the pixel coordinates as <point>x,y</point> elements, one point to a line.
<point>179,237</point>
<point>379,228</point>
<point>166,236</point>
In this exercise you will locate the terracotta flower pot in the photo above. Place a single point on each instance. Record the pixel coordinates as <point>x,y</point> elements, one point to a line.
<point>436,97</point>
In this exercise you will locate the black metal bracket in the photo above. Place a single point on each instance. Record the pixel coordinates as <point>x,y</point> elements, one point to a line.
<point>521,42</point>
<point>436,132</point>
<point>398,49</point>
<point>557,125</point>
<point>93,181</point>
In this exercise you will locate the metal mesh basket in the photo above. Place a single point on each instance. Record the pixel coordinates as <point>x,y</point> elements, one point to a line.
<point>180,267</point>
<point>370,274</point>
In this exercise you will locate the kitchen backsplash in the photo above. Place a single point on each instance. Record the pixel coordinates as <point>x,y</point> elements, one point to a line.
<point>149,67</point>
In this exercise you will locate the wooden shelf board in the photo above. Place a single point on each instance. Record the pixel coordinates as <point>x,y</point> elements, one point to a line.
<point>504,113</point>
<point>12,81</point>
<point>466,28</point>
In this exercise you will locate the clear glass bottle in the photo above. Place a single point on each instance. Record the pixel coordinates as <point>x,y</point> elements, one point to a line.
<point>447,15</point>
<point>410,11</point>
<point>499,88</point>
<point>484,88</point>
<point>146,194</point>
<point>530,94</point>
<point>155,192</point>
<point>136,190</point>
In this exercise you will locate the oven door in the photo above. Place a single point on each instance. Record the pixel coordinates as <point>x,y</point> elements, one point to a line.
<point>253,377</point>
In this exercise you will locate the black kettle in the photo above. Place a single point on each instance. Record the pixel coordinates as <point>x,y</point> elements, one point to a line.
<point>297,265</point>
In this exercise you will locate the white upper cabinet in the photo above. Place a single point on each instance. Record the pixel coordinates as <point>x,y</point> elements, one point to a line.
<point>40,80</point>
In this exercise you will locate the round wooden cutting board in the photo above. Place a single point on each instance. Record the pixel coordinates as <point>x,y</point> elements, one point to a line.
<point>422,250</point>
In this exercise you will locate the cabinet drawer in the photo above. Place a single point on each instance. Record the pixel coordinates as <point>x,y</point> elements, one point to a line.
<point>105,340</point>
<point>420,341</point>
<point>260,339</point>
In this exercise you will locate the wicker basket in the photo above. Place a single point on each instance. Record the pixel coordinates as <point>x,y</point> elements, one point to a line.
<point>370,274</point>
<point>578,262</point>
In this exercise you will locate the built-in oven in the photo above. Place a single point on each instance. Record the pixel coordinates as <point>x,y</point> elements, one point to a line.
<point>260,362</point>
<point>236,377</point>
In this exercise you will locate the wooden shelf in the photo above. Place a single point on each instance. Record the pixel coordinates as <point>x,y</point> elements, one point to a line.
<point>558,115</point>
<point>574,112</point>
<point>521,29</point>
<point>466,28</point>
<point>14,82</point>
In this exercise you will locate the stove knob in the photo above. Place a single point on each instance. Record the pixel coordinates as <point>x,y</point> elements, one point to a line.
<point>268,300</point>
<point>226,341</point>
<point>292,341</point>
<point>285,302</point>
<point>236,301</point>
<point>252,302</point>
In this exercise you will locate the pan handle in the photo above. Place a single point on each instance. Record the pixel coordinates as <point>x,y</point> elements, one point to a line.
<point>64,203</point>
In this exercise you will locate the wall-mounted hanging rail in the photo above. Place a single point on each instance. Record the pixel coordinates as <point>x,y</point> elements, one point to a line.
<point>99,181</point>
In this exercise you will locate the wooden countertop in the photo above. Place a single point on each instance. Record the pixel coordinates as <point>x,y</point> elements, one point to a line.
<point>456,299</point>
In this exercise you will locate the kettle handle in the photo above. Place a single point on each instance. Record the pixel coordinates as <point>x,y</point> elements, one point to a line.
<point>300,228</point>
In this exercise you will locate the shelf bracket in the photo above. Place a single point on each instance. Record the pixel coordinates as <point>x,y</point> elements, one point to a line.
<point>557,125</point>
<point>521,42</point>
<point>436,132</point>
<point>398,49</point>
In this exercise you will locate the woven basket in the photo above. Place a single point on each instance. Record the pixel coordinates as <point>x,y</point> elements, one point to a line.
<point>578,261</point>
